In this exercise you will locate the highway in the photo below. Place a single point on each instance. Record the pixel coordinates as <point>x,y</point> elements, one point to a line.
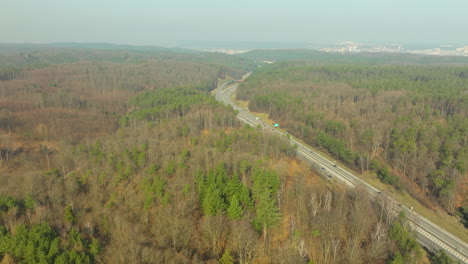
<point>428,234</point>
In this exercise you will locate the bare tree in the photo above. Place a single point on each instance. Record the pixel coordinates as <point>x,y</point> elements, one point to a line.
<point>47,151</point>
<point>378,240</point>
<point>214,230</point>
<point>314,204</point>
<point>327,201</point>
<point>243,240</point>
<point>377,140</point>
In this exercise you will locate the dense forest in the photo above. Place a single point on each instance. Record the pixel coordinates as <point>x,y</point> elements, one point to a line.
<point>122,156</point>
<point>408,124</point>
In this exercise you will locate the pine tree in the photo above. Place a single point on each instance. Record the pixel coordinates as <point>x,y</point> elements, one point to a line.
<point>235,210</point>
<point>398,259</point>
<point>441,258</point>
<point>29,202</point>
<point>235,188</point>
<point>226,258</point>
<point>265,181</point>
<point>69,215</point>
<point>221,176</point>
<point>267,213</point>
<point>94,247</point>
<point>212,203</point>
<point>54,249</point>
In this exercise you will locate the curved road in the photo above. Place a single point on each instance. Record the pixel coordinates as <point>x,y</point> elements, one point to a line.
<point>428,234</point>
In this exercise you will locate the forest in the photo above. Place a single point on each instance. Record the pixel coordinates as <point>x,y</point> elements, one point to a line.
<point>405,123</point>
<point>119,155</point>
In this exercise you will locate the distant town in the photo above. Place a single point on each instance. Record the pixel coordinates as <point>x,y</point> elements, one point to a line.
<point>355,47</point>
<point>349,46</point>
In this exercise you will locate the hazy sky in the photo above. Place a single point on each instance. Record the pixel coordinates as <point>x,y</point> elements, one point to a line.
<point>153,22</point>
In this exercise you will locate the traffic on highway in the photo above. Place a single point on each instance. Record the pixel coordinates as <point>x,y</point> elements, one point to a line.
<point>429,234</point>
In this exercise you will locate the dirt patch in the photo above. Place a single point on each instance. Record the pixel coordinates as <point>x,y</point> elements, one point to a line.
<point>205,132</point>
<point>15,144</point>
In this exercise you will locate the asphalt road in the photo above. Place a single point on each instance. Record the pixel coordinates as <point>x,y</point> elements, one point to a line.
<point>428,234</point>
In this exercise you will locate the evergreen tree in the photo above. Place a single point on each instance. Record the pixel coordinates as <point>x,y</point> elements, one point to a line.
<point>267,213</point>
<point>441,258</point>
<point>405,239</point>
<point>54,249</point>
<point>41,244</point>
<point>94,247</point>
<point>226,258</point>
<point>398,259</point>
<point>213,203</point>
<point>265,181</point>
<point>235,210</point>
<point>29,202</point>
<point>69,215</point>
<point>235,188</point>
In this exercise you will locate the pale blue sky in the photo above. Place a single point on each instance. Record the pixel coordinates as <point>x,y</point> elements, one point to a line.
<point>155,22</point>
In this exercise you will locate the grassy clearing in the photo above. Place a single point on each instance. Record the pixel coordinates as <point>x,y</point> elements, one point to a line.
<point>243,104</point>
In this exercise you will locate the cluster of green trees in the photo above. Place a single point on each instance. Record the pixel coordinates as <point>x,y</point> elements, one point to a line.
<point>411,119</point>
<point>223,194</point>
<point>19,205</point>
<point>441,258</point>
<point>42,244</point>
<point>336,146</point>
<point>408,248</point>
<point>165,103</point>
